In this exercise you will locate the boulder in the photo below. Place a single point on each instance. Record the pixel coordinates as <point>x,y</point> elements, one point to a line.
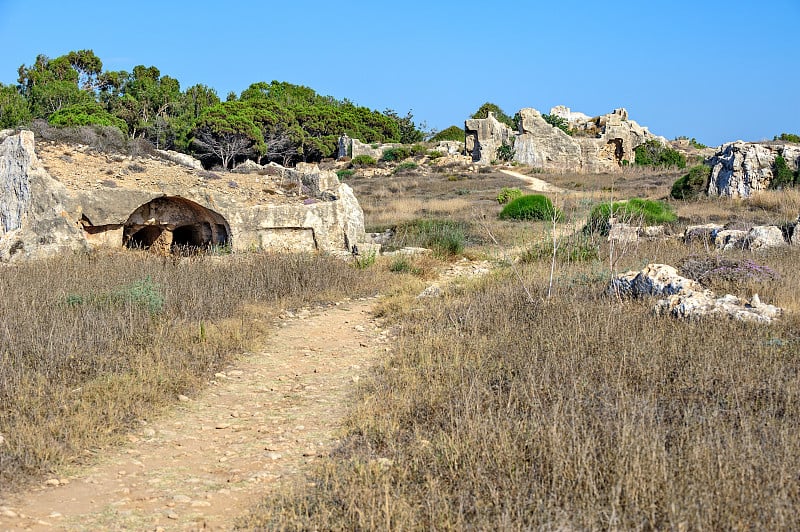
<point>653,280</point>
<point>764,237</point>
<point>701,304</point>
<point>741,169</point>
<point>729,239</point>
<point>686,298</point>
<point>181,158</point>
<point>706,233</point>
<point>248,167</point>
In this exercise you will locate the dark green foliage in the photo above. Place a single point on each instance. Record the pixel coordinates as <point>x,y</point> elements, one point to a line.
<point>507,194</point>
<point>692,185</point>
<point>444,237</point>
<point>558,121</point>
<point>451,133</point>
<point>505,152</point>
<point>344,174</point>
<point>13,108</point>
<point>397,153</point>
<point>363,160</point>
<point>531,207</point>
<point>788,137</point>
<point>484,110</point>
<point>653,153</point>
<point>405,167</point>
<point>409,133</point>
<point>782,175</point>
<point>86,114</point>
<point>634,211</point>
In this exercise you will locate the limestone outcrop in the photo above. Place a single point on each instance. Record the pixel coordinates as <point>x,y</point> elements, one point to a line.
<point>741,169</point>
<point>730,237</point>
<point>598,144</point>
<point>144,203</point>
<point>484,136</point>
<point>686,298</point>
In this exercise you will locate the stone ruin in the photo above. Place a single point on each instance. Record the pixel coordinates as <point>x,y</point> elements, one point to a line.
<point>42,215</point>
<point>600,144</point>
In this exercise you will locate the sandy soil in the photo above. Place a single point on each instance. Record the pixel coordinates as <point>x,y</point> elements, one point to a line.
<point>200,466</point>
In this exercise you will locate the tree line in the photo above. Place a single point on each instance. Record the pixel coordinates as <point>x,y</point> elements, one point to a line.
<point>275,121</point>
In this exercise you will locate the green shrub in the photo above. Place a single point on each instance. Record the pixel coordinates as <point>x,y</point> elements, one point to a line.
<point>363,160</point>
<point>418,149</point>
<point>405,167</point>
<point>782,175</point>
<point>86,114</point>
<point>451,133</point>
<point>788,137</point>
<point>444,237</point>
<point>634,211</point>
<point>404,265</point>
<point>484,110</point>
<point>531,207</point>
<point>558,121</point>
<point>144,293</point>
<point>507,194</point>
<point>692,185</point>
<point>505,152</point>
<point>653,153</point>
<point>396,154</point>
<point>344,174</point>
<point>435,154</point>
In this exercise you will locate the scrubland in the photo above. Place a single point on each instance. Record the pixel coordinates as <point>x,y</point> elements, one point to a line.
<point>501,408</point>
<point>524,399</point>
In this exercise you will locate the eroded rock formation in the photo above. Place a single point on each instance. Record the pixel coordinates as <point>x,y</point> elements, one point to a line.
<point>301,209</point>
<point>598,144</point>
<point>741,169</point>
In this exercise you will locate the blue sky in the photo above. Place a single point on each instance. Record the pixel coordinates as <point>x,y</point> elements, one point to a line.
<point>715,70</point>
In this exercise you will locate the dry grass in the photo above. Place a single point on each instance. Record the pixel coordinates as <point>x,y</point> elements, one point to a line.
<point>577,412</point>
<point>91,344</point>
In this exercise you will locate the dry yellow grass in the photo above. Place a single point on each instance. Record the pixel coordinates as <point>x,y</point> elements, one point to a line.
<point>91,343</point>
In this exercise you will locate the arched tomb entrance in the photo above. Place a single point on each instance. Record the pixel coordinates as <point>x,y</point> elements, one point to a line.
<point>172,224</point>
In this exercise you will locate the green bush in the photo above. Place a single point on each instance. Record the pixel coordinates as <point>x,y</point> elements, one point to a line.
<point>86,114</point>
<point>634,211</point>
<point>531,207</point>
<point>653,153</point>
<point>344,174</point>
<point>405,167</point>
<point>782,175</point>
<point>692,185</point>
<point>404,265</point>
<point>435,154</point>
<point>505,152</point>
<point>451,133</point>
<point>444,237</point>
<point>507,194</point>
<point>418,149</point>
<point>396,154</point>
<point>558,121</point>
<point>489,107</point>
<point>788,137</point>
<point>363,160</point>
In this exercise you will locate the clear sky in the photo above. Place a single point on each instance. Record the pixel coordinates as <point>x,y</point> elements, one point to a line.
<point>715,70</point>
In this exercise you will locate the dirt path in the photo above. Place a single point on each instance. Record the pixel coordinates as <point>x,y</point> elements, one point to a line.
<point>534,184</point>
<point>205,463</point>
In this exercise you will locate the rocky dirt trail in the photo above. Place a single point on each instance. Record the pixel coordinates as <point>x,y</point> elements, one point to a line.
<point>534,184</point>
<point>261,422</point>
